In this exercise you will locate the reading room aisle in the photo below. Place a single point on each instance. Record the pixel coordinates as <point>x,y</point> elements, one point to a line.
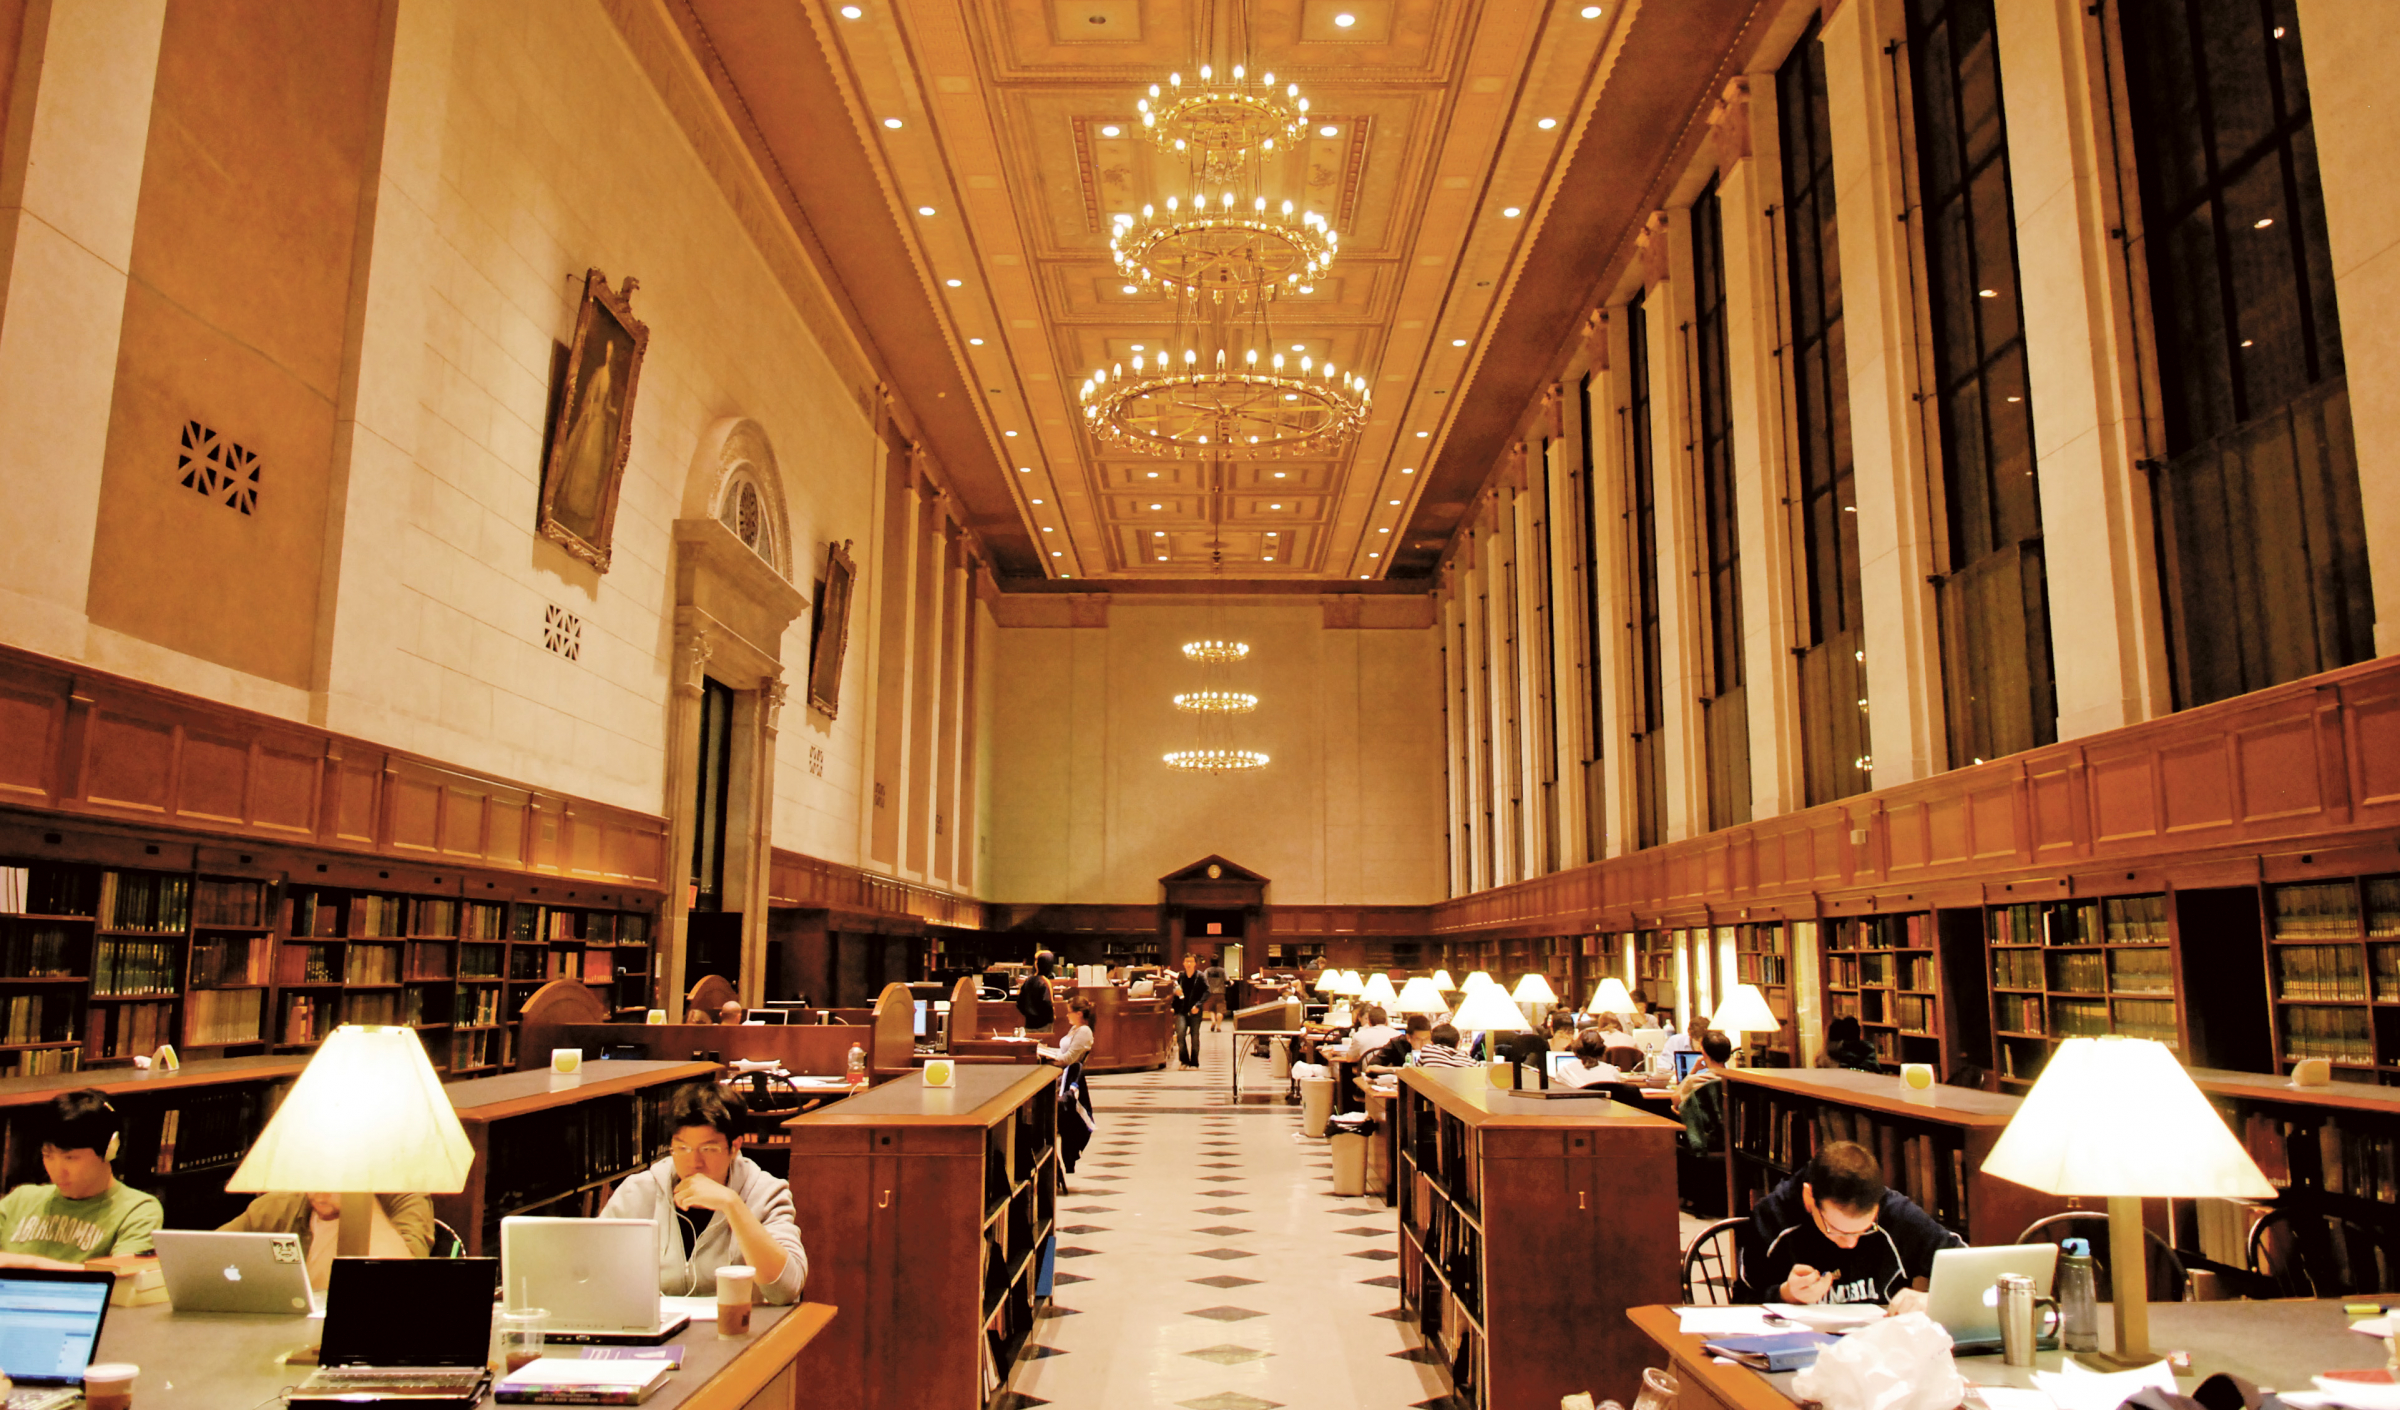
<point>1205,1262</point>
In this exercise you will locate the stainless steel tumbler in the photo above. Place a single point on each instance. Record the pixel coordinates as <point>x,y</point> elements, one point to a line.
<point>2018,1328</point>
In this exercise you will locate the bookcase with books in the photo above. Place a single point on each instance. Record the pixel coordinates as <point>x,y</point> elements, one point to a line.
<point>1654,967</point>
<point>1883,971</point>
<point>2333,952</point>
<point>1762,955</point>
<point>46,943</point>
<point>1497,1192</point>
<point>2078,968</point>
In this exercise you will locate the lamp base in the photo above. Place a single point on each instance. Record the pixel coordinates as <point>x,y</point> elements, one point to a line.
<point>2111,1361</point>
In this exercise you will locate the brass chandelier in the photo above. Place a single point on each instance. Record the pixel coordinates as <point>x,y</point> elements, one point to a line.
<point>1212,709</point>
<point>1216,251</point>
<point>1219,124</point>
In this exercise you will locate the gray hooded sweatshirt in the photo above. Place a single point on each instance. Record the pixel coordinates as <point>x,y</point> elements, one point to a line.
<point>650,1195</point>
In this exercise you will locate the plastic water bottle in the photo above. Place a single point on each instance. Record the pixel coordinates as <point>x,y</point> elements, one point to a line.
<point>858,1066</point>
<point>2078,1309</point>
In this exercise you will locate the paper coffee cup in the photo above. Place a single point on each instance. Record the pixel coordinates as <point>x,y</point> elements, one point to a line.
<point>736,1282</point>
<point>566,1059</point>
<point>109,1385</point>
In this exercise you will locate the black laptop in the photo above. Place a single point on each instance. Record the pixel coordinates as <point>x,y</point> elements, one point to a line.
<point>50,1321</point>
<point>404,1331</point>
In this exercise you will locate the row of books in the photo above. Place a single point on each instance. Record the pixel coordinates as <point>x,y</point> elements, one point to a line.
<point>220,960</point>
<point>479,1005</point>
<point>2329,910</point>
<point>126,1030</point>
<point>135,967</point>
<point>2146,1018</point>
<point>208,1130</point>
<point>2336,1034</point>
<point>2318,1152</point>
<point>308,1017</point>
<point>543,1154</point>
<point>472,1050</point>
<point>223,902</point>
<point>311,964</point>
<point>1908,932</point>
<point>2078,972</point>
<point>148,901</point>
<point>2016,969</point>
<point>371,1008</point>
<point>373,964</point>
<point>479,961</point>
<point>223,1016</point>
<point>2320,972</point>
<point>34,1018</point>
<point>382,917</point>
<point>30,951</point>
<point>1913,1013</point>
<point>40,1062</point>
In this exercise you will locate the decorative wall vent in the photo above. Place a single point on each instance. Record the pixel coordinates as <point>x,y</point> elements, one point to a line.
<point>816,760</point>
<point>562,632</point>
<point>218,468</point>
<point>879,795</point>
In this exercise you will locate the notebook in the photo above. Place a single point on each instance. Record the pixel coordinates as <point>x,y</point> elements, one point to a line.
<point>50,1322</point>
<point>404,1331</point>
<point>597,1278</point>
<point>212,1272</point>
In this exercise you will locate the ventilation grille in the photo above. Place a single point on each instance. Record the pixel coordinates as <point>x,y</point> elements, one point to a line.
<point>217,468</point>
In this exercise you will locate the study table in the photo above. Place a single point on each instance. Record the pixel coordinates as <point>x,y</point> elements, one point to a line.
<point>2274,1345</point>
<point>229,1361</point>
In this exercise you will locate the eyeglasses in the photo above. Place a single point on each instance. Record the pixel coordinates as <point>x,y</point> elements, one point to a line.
<point>713,1148</point>
<point>1833,1230</point>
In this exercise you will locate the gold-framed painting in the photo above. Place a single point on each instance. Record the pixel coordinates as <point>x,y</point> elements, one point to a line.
<point>831,638</point>
<point>593,430</point>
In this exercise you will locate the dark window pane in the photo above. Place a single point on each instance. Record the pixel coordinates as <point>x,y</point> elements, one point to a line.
<point>2326,340</point>
<point>2269,351</point>
<point>1995,256</point>
<point>2189,299</point>
<point>2234,51</point>
<point>1978,82</point>
<point>2016,501</point>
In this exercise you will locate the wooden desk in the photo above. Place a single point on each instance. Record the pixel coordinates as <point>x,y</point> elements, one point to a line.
<point>925,1210</point>
<point>1128,1034</point>
<point>1498,1194</point>
<point>2276,1345</point>
<point>1243,1038</point>
<point>542,1139</point>
<point>221,1361</point>
<point>218,1106</point>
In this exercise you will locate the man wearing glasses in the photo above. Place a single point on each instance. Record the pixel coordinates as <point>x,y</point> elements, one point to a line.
<point>713,1205</point>
<point>1834,1233</point>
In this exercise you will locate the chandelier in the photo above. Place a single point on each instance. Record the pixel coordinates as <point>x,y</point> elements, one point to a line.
<point>1229,702</point>
<point>1225,401</point>
<point>1216,761</point>
<point>1221,124</point>
<point>1218,250</point>
<point>1215,653</point>
<point>1213,707</point>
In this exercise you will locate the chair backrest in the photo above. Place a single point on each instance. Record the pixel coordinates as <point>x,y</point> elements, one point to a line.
<point>1712,1265</point>
<point>1625,1058</point>
<point>2169,1281</point>
<point>2312,1255</point>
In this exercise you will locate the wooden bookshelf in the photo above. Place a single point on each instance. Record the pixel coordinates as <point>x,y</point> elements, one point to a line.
<point>1498,1193</point>
<point>931,1207</point>
<point>552,1145</point>
<point>1654,967</point>
<point>2333,969</point>
<point>1775,1121</point>
<point>1885,971</point>
<point>183,1131</point>
<point>1762,955</point>
<point>2078,968</point>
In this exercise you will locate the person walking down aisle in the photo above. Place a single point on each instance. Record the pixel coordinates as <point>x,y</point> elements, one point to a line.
<point>1215,976</point>
<point>1191,990</point>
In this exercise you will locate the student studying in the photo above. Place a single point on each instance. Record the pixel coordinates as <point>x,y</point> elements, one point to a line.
<point>713,1205</point>
<point>1835,1233</point>
<point>85,1212</point>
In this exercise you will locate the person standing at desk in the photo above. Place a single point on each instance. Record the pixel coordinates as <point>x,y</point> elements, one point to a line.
<point>85,1212</point>
<point>1835,1233</point>
<point>1033,996</point>
<point>713,1206</point>
<point>1191,991</point>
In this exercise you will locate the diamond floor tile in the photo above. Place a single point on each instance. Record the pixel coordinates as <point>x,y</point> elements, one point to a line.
<point>1226,1281</point>
<point>1222,1231</point>
<point>1226,1314</point>
<point>1218,1253</point>
<point>1229,1354</point>
<point>1230,1400</point>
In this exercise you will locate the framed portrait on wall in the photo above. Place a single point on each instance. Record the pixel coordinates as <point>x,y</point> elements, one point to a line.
<point>593,429</point>
<point>832,634</point>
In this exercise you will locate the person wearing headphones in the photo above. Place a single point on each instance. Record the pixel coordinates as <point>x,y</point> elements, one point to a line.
<point>712,1204</point>
<point>85,1212</point>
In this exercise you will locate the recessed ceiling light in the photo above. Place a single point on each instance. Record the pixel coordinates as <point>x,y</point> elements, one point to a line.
<point>1009,434</point>
<point>1131,289</point>
<point>1546,124</point>
<point>1274,506</point>
<point>1154,474</point>
<point>1045,528</point>
<point>1054,553</point>
<point>1037,501</point>
<point>1137,347</point>
<point>1024,469</point>
<point>1987,293</point>
<point>1374,555</point>
<point>1344,21</point>
<point>893,122</point>
<point>851,12</point>
<point>1299,347</point>
<point>1380,531</point>
<point>1423,434</point>
<point>1279,474</point>
<point>1109,131</point>
<point>1158,506</point>
<point>1362,577</point>
<point>1458,342</point>
<point>1329,130</point>
<point>924,210</point>
<point>1268,559</point>
<point>974,342</point>
<point>1408,469</point>
<point>1158,533</point>
<point>1591,12</point>
<point>1513,212</point>
<point>954,283</point>
<point>2263,223</point>
<point>1395,501</point>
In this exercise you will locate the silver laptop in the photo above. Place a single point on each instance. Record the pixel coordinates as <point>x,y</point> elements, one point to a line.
<point>1963,1295</point>
<point>259,1273</point>
<point>597,1278</point>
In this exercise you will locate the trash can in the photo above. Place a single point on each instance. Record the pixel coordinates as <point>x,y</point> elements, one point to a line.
<point>1349,1161</point>
<point>1316,1104</point>
<point>1282,1053</point>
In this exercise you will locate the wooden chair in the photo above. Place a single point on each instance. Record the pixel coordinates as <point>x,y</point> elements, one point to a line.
<point>2311,1255</point>
<point>1712,1266</point>
<point>2169,1280</point>
<point>1700,1173</point>
<point>1623,1057</point>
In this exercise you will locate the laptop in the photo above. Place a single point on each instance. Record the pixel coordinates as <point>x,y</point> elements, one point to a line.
<point>404,1331</point>
<point>49,1327</point>
<point>597,1278</point>
<point>211,1272</point>
<point>1962,1295</point>
<point>1685,1062</point>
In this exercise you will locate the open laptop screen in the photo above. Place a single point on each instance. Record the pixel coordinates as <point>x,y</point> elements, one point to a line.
<point>409,1311</point>
<point>1684,1063</point>
<point>50,1322</point>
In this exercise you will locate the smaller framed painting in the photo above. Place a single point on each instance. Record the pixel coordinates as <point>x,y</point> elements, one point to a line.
<point>832,636</point>
<point>593,432</point>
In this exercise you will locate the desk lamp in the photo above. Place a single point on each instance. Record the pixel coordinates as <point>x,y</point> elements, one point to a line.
<point>1611,997</point>
<point>1535,996</point>
<point>1488,1009</point>
<point>1744,1011</point>
<point>1441,981</point>
<point>367,1116</point>
<point>1475,981</point>
<point>1421,995</point>
<point>2120,1118</point>
<point>1378,989</point>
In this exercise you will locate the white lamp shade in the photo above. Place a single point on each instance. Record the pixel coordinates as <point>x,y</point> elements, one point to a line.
<point>2119,1116</point>
<point>1378,989</point>
<point>1611,997</point>
<point>1744,1011</point>
<point>1329,981</point>
<point>1475,981</point>
<point>1535,989</point>
<point>1441,981</point>
<point>1489,1010</point>
<point>366,1116</point>
<point>1421,995</point>
<point>1350,984</point>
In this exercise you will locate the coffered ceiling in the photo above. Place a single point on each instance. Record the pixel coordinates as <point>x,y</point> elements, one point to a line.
<point>955,164</point>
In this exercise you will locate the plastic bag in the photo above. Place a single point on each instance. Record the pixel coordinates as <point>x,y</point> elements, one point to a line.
<point>1900,1363</point>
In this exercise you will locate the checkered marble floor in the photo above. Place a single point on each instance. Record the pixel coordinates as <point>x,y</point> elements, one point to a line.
<point>1205,1262</point>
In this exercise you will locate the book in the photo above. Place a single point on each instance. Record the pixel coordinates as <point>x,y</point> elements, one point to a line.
<point>1780,1351</point>
<point>563,1380</point>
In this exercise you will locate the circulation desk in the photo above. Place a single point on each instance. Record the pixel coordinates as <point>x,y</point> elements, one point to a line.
<point>925,1211</point>
<point>225,1361</point>
<point>2275,1345</point>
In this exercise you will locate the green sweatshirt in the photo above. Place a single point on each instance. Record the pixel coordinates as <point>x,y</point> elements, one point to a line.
<point>120,1220</point>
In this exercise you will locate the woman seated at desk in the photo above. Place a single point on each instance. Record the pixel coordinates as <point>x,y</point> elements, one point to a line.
<point>1074,1047</point>
<point>1442,1050</point>
<point>713,1205</point>
<point>1588,1067</point>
